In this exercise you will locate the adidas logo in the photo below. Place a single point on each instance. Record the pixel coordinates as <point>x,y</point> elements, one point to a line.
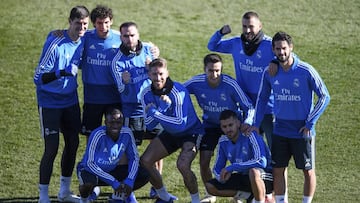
<point>92,47</point>
<point>276,82</point>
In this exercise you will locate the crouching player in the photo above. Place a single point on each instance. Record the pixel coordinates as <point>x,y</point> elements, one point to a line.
<point>249,172</point>
<point>100,164</point>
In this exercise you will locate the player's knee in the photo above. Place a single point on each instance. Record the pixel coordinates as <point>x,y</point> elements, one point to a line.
<point>146,162</point>
<point>254,174</point>
<point>210,188</point>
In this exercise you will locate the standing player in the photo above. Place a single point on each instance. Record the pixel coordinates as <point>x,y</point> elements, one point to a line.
<point>294,131</point>
<point>214,93</point>
<point>58,103</point>
<point>100,92</point>
<point>130,72</point>
<point>251,53</point>
<point>169,103</point>
<point>249,171</point>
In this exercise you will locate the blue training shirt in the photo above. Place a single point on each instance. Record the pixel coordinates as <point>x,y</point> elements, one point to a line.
<point>293,98</point>
<point>99,85</point>
<point>248,152</point>
<point>227,95</point>
<point>248,69</point>
<point>179,118</point>
<point>135,64</point>
<point>58,53</point>
<point>102,155</point>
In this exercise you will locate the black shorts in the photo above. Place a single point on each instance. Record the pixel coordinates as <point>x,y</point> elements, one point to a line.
<point>120,173</point>
<point>66,119</point>
<point>137,126</point>
<point>302,150</point>
<point>210,140</point>
<point>241,182</point>
<point>173,143</point>
<point>93,116</point>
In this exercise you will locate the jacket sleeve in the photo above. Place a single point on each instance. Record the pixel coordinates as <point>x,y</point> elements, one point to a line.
<point>262,99</point>
<point>322,92</point>
<point>258,159</point>
<point>177,121</point>
<point>133,160</point>
<point>221,159</point>
<point>217,44</point>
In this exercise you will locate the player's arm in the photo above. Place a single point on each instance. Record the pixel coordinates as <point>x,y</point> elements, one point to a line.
<point>133,158</point>
<point>177,122</point>
<point>220,161</point>
<point>258,159</point>
<point>320,89</point>
<point>262,99</point>
<point>217,44</point>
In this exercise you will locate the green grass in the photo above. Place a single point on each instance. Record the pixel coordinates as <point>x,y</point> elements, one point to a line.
<point>325,35</point>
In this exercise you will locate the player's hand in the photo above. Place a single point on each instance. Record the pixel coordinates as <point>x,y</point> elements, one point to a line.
<point>127,190</point>
<point>149,106</point>
<point>165,98</point>
<point>246,129</point>
<point>165,103</point>
<point>224,175</point>
<point>253,128</point>
<point>57,33</point>
<point>273,69</point>
<point>126,76</point>
<point>71,70</point>
<point>306,133</point>
<point>147,62</point>
<point>155,51</point>
<point>225,30</point>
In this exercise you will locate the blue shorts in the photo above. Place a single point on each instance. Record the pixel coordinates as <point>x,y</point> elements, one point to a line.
<point>302,150</point>
<point>66,119</point>
<point>173,143</point>
<point>93,115</point>
<point>210,140</point>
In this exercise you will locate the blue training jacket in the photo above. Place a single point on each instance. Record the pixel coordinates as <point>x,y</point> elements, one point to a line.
<point>102,155</point>
<point>58,53</point>
<point>248,152</point>
<point>293,98</point>
<point>248,69</point>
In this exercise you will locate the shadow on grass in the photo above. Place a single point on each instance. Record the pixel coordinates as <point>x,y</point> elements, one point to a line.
<point>102,198</point>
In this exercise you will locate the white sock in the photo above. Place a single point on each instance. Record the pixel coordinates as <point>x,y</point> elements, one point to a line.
<point>307,199</point>
<point>163,194</point>
<point>43,191</point>
<point>255,201</point>
<point>195,198</point>
<point>64,186</point>
<point>280,198</point>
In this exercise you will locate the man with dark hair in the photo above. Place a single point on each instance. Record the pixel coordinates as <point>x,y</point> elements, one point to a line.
<point>251,53</point>
<point>293,87</point>
<point>56,89</point>
<point>249,172</point>
<point>215,92</point>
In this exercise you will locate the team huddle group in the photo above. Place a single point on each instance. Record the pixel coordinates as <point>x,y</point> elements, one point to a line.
<point>253,124</point>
